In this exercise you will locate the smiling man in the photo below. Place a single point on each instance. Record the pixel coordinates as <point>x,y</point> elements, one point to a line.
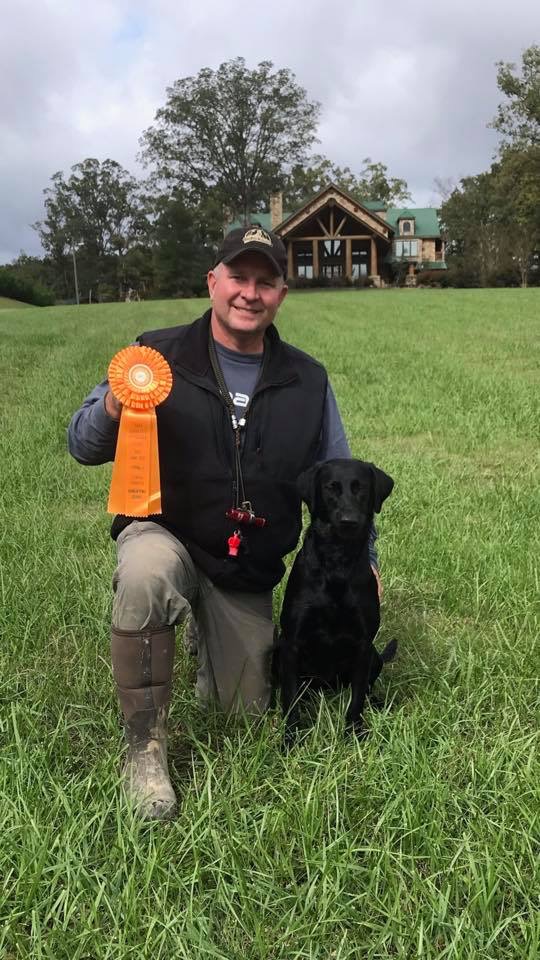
<point>246,291</point>
<point>247,414</point>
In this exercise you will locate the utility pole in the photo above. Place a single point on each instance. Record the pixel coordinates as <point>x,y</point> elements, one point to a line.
<point>75,275</point>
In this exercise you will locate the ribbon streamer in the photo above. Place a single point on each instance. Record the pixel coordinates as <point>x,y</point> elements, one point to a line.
<point>140,378</point>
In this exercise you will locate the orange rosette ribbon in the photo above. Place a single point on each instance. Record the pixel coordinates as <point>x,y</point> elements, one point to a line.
<point>140,378</point>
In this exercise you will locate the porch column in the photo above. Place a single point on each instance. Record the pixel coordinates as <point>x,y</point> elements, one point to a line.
<point>290,261</point>
<point>315,248</point>
<point>373,257</point>
<point>348,258</point>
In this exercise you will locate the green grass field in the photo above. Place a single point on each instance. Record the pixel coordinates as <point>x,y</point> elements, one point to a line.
<point>420,841</point>
<point>6,303</point>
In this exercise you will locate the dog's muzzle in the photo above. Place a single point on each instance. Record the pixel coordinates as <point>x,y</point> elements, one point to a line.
<point>349,529</point>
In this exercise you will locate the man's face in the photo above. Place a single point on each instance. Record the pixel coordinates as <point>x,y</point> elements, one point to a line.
<point>246,295</point>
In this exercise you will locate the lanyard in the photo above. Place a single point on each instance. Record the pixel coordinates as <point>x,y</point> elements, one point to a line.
<point>241,510</point>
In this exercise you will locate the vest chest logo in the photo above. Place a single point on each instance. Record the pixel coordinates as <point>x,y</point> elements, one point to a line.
<point>256,235</point>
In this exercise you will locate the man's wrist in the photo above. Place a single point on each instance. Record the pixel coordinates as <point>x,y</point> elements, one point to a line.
<point>112,406</point>
<point>378,579</point>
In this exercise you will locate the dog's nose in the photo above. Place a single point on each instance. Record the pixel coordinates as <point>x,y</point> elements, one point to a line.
<point>349,527</point>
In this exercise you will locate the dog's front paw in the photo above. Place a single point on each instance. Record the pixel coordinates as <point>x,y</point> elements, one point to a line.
<point>287,743</point>
<point>355,728</point>
<point>290,737</point>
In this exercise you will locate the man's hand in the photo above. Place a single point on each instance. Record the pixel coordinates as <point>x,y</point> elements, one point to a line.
<point>377,576</point>
<point>112,405</point>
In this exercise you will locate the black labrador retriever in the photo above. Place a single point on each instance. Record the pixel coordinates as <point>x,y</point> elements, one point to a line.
<point>330,612</point>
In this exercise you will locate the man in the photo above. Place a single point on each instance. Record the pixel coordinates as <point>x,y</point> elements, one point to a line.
<point>246,415</point>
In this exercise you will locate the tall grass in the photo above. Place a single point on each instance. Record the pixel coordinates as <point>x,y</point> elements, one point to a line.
<point>420,841</point>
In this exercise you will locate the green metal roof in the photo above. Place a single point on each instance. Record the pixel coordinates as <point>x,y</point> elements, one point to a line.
<point>375,205</point>
<point>426,223</point>
<point>263,219</point>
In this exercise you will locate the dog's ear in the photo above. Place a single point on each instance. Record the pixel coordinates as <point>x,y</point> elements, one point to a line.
<point>382,486</point>
<point>307,486</point>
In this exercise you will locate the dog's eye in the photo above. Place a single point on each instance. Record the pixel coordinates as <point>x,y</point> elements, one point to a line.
<point>334,486</point>
<point>355,487</point>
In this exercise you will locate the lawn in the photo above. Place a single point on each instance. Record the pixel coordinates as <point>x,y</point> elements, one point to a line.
<point>421,840</point>
<point>7,303</point>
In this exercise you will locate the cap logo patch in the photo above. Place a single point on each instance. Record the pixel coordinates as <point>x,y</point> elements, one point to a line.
<point>256,235</point>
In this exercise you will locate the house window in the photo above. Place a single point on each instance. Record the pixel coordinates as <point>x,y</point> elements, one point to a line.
<point>304,260</point>
<point>360,256</point>
<point>332,270</point>
<point>332,258</point>
<point>406,248</point>
<point>359,270</point>
<point>332,248</point>
<point>406,226</point>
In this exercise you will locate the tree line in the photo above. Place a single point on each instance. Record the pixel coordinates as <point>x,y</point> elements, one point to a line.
<point>492,220</point>
<point>224,141</point>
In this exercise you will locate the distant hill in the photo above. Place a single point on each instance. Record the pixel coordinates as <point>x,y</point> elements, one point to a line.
<point>11,304</point>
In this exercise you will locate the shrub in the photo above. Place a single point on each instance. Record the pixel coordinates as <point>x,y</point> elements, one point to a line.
<point>328,283</point>
<point>432,278</point>
<point>19,289</point>
<point>504,278</point>
<point>363,283</point>
<point>461,274</point>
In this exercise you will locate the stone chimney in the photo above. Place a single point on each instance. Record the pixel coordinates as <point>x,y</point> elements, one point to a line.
<point>276,210</point>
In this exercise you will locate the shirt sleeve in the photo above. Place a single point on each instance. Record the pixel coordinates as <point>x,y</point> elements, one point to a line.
<point>92,433</point>
<point>334,444</point>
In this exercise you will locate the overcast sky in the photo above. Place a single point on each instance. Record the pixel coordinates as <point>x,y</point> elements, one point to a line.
<point>410,84</point>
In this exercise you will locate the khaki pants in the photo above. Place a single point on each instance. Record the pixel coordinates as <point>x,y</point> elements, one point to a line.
<point>156,584</point>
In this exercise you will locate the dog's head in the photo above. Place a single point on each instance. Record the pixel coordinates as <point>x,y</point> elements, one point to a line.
<point>345,494</point>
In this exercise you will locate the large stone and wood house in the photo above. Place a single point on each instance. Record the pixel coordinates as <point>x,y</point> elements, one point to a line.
<point>337,237</point>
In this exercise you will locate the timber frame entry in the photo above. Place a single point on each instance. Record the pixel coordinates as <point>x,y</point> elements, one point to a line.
<point>335,236</point>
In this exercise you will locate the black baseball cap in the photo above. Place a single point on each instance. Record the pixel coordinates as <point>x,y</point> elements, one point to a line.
<point>254,239</point>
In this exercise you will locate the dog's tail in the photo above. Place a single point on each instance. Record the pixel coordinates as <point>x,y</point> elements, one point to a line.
<point>389,651</point>
<point>378,659</point>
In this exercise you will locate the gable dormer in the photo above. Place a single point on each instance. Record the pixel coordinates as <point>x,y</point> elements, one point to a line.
<point>406,226</point>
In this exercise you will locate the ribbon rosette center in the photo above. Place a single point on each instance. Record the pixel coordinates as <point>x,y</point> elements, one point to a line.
<point>140,378</point>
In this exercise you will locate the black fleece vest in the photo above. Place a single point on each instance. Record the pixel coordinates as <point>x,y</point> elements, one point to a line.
<point>196,450</point>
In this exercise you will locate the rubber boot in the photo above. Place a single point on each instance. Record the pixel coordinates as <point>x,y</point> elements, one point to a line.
<point>142,668</point>
<point>191,636</point>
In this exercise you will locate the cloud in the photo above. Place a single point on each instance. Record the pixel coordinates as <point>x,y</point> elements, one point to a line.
<point>411,86</point>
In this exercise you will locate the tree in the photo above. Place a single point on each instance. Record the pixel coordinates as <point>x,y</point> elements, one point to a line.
<point>306,180</point>
<point>98,214</point>
<point>517,181</point>
<point>372,183</point>
<point>34,270</point>
<point>475,241</point>
<point>519,120</point>
<point>492,221</point>
<point>17,287</point>
<point>517,172</point>
<point>232,131</point>
<point>181,259</point>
